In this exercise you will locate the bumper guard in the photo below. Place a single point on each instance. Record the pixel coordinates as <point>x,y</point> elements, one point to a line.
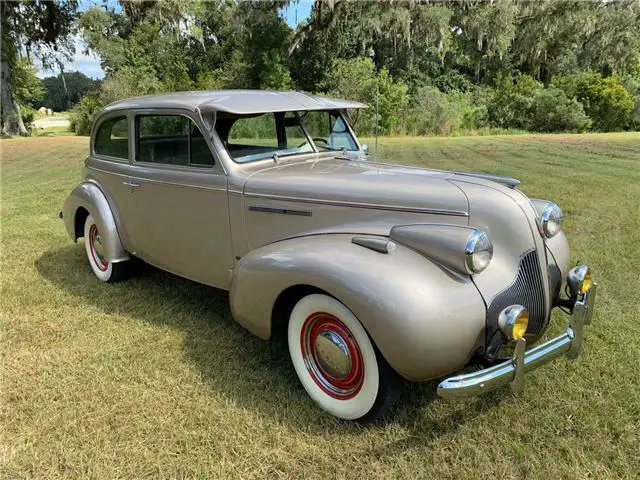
<point>512,371</point>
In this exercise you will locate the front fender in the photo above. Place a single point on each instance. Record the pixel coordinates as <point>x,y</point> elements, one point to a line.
<point>426,320</point>
<point>89,196</point>
<point>559,248</point>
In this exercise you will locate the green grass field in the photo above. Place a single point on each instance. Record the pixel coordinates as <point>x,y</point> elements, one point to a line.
<point>152,377</point>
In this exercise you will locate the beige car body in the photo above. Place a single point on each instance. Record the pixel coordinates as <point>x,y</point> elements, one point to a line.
<point>272,230</point>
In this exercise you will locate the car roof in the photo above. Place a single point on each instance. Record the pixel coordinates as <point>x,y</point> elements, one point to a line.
<point>235,101</point>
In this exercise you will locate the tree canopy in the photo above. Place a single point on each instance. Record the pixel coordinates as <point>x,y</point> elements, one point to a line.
<point>40,28</point>
<point>541,65</point>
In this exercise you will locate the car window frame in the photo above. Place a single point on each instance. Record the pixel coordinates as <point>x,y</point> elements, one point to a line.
<point>162,112</point>
<point>94,135</point>
<point>280,133</point>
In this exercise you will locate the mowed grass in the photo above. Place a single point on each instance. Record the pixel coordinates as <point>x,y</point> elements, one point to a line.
<point>152,377</point>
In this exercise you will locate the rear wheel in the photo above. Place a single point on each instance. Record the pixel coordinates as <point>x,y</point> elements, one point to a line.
<point>104,270</point>
<point>337,363</point>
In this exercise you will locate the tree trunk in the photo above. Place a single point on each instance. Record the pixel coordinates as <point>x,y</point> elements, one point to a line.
<point>64,84</point>
<point>12,123</point>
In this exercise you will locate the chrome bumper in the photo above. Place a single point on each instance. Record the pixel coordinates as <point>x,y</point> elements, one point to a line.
<point>512,371</point>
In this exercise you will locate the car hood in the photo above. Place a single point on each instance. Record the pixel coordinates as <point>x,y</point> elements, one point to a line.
<point>361,183</point>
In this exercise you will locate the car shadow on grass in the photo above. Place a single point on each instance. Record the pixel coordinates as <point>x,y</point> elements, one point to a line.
<point>257,374</point>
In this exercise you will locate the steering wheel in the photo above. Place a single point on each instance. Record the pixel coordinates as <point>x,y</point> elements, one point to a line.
<point>316,140</point>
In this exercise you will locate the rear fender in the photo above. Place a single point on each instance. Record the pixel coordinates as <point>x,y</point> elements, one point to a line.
<point>426,320</point>
<point>89,196</point>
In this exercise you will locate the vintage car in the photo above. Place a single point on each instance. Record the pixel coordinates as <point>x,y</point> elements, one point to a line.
<point>375,272</point>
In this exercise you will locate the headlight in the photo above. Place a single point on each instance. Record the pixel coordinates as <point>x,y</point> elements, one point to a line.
<point>465,250</point>
<point>513,322</point>
<point>579,280</point>
<point>551,220</point>
<point>478,252</point>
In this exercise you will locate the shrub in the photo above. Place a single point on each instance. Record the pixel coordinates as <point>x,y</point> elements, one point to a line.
<point>393,101</point>
<point>433,112</point>
<point>512,102</point>
<point>82,114</point>
<point>356,79</point>
<point>605,100</point>
<point>552,111</point>
<point>632,84</point>
<point>28,114</point>
<point>475,117</point>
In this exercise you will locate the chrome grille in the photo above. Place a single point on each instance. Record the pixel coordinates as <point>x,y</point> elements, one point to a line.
<point>527,290</point>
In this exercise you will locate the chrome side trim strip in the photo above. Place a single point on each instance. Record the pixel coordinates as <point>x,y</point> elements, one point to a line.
<point>282,211</point>
<point>161,182</point>
<point>372,206</point>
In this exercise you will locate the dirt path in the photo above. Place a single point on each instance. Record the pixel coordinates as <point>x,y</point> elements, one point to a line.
<point>52,122</point>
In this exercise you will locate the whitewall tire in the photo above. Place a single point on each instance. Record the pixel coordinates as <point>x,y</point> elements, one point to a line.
<point>336,361</point>
<point>104,270</point>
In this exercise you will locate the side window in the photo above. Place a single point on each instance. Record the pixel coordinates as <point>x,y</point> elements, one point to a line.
<point>200,153</point>
<point>112,138</point>
<point>252,137</point>
<point>171,140</point>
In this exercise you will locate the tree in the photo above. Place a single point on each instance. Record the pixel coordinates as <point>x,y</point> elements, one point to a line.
<point>43,28</point>
<point>357,79</point>
<point>57,98</point>
<point>28,87</point>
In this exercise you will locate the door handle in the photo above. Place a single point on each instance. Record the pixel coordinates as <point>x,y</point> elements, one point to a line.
<point>131,184</point>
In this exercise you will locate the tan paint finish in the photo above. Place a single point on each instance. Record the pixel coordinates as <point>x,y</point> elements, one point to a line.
<point>261,227</point>
<point>426,320</point>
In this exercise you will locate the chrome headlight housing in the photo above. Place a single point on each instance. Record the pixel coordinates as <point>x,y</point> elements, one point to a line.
<point>513,322</point>
<point>579,280</point>
<point>465,250</point>
<point>478,252</point>
<point>551,220</point>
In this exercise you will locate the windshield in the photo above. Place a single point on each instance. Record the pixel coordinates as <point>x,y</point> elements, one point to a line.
<point>257,137</point>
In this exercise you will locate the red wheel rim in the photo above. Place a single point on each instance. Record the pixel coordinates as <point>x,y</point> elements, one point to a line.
<point>98,258</point>
<point>332,356</point>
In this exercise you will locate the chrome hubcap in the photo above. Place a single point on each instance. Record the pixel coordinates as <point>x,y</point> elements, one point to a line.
<point>332,353</point>
<point>332,356</point>
<point>97,248</point>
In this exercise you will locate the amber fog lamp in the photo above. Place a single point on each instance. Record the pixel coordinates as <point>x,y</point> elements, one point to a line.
<point>579,280</point>
<point>513,322</point>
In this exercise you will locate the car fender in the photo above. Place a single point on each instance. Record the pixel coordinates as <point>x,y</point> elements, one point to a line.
<point>89,195</point>
<point>426,320</point>
<point>559,248</point>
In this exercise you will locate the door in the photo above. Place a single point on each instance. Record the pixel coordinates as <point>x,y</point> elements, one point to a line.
<point>177,216</point>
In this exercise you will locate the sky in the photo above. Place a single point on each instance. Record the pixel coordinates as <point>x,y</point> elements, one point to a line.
<point>296,12</point>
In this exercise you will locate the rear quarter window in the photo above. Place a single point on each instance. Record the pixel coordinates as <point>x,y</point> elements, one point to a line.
<point>112,138</point>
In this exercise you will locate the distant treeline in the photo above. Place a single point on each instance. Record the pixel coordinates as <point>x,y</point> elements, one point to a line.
<point>435,67</point>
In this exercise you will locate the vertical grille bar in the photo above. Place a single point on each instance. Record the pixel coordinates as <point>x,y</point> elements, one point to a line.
<point>527,289</point>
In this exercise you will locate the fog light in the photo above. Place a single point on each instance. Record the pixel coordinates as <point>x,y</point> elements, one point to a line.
<point>579,280</point>
<point>513,322</point>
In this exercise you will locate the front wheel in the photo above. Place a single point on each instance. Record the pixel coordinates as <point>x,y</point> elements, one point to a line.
<point>337,363</point>
<point>105,270</point>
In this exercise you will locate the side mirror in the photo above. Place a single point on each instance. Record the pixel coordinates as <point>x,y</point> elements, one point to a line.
<point>365,148</point>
